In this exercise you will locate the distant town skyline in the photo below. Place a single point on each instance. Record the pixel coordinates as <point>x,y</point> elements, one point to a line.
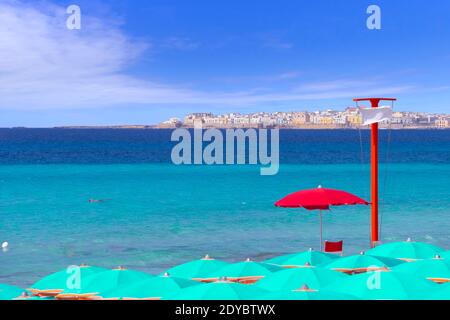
<point>349,118</point>
<point>144,62</point>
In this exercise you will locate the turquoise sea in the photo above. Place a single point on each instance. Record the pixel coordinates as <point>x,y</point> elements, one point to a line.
<point>157,215</point>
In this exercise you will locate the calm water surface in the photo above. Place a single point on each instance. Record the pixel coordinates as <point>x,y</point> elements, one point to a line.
<point>158,215</point>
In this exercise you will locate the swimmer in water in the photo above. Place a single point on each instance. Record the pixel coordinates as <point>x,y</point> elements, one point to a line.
<point>97,200</point>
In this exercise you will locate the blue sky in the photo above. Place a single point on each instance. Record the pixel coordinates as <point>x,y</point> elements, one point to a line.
<point>141,62</point>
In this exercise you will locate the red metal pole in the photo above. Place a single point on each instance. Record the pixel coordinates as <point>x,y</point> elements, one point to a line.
<point>374,177</point>
<point>374,169</point>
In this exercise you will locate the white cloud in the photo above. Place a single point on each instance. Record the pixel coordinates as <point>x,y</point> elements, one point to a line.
<point>43,65</point>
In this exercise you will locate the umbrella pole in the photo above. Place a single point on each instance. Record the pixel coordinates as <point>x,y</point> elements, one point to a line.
<point>321,233</point>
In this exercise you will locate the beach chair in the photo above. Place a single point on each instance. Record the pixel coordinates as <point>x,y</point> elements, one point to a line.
<point>334,247</point>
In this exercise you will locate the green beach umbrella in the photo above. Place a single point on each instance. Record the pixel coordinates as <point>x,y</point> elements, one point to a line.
<point>248,269</point>
<point>221,290</point>
<point>292,279</point>
<point>437,270</point>
<point>306,295</point>
<point>8,292</point>
<point>197,269</point>
<point>361,263</point>
<point>66,279</point>
<point>310,257</point>
<point>407,250</point>
<point>107,281</point>
<point>384,285</point>
<point>442,293</point>
<point>445,255</point>
<point>154,288</point>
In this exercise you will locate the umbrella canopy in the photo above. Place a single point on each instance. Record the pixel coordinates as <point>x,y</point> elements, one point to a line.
<point>291,279</point>
<point>64,280</point>
<point>319,199</point>
<point>437,270</point>
<point>248,271</point>
<point>306,295</point>
<point>110,280</point>
<point>379,285</point>
<point>197,269</point>
<point>407,250</point>
<point>8,292</point>
<point>445,255</point>
<point>154,288</point>
<point>442,293</point>
<point>302,259</point>
<point>221,290</point>
<point>361,263</point>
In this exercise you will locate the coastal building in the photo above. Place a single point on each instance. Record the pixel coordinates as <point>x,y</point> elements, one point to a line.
<point>315,118</point>
<point>326,120</point>
<point>171,123</point>
<point>340,119</point>
<point>300,118</point>
<point>354,119</point>
<point>197,123</point>
<point>241,120</point>
<point>442,122</point>
<point>401,118</point>
<point>215,121</point>
<point>350,117</point>
<point>255,119</point>
<point>422,120</point>
<point>268,121</point>
<point>282,119</point>
<point>191,118</point>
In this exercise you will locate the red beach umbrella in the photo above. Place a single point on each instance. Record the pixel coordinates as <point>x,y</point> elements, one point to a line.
<point>319,199</point>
